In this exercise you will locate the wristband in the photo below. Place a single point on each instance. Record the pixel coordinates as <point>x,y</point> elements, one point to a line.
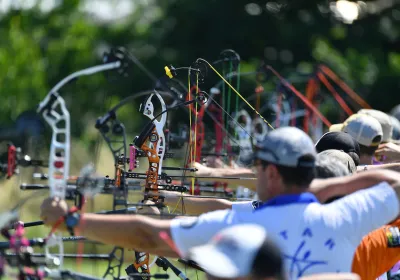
<point>72,220</point>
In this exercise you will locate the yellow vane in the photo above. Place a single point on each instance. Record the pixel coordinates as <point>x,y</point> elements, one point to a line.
<point>168,72</point>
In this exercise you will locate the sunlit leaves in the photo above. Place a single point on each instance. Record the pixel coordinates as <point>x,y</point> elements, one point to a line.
<point>394,61</point>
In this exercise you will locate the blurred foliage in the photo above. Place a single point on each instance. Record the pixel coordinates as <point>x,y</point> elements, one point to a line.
<point>38,48</point>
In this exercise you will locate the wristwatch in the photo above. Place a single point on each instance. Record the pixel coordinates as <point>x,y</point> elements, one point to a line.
<point>71,221</point>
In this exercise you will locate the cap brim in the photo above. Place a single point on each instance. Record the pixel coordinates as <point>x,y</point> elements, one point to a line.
<point>336,127</point>
<point>397,142</point>
<point>214,262</point>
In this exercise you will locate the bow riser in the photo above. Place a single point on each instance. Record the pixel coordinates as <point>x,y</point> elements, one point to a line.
<point>59,157</point>
<point>57,116</point>
<point>154,166</point>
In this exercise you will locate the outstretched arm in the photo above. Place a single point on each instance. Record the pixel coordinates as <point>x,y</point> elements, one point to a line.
<point>204,171</point>
<point>341,186</point>
<point>128,231</point>
<point>391,166</point>
<point>194,205</point>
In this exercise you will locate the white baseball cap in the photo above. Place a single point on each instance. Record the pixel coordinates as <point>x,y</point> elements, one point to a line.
<point>365,129</point>
<point>239,251</point>
<point>395,112</point>
<point>383,119</point>
<point>396,129</point>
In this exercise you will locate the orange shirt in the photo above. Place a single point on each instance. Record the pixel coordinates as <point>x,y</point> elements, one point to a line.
<point>378,252</point>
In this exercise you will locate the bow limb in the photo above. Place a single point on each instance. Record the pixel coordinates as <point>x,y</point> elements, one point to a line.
<point>335,94</point>
<point>312,89</point>
<point>163,119</point>
<point>328,72</point>
<point>160,131</point>
<point>306,102</point>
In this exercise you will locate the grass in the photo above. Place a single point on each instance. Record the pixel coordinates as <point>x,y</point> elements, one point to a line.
<point>11,195</point>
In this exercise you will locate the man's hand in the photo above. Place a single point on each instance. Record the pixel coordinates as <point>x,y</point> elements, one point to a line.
<point>52,209</point>
<point>389,150</point>
<point>149,209</point>
<point>203,171</point>
<point>214,162</point>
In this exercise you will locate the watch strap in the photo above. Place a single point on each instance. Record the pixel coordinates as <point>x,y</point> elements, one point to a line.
<point>71,212</point>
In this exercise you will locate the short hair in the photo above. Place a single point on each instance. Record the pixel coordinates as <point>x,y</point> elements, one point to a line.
<point>300,176</point>
<point>355,158</point>
<point>327,167</point>
<point>368,150</point>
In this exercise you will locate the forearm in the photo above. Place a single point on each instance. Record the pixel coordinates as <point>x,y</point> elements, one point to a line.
<point>196,205</point>
<point>389,166</point>
<point>231,172</point>
<point>225,175</point>
<point>328,188</point>
<point>245,182</point>
<point>127,231</point>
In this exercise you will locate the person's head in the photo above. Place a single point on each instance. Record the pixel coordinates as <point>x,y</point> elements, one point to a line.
<point>327,167</point>
<point>341,157</point>
<point>395,112</point>
<point>240,252</point>
<point>338,140</point>
<point>384,121</point>
<point>285,161</point>
<point>396,129</point>
<point>366,130</point>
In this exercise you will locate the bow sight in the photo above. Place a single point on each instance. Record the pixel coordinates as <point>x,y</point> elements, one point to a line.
<point>197,72</point>
<point>14,158</point>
